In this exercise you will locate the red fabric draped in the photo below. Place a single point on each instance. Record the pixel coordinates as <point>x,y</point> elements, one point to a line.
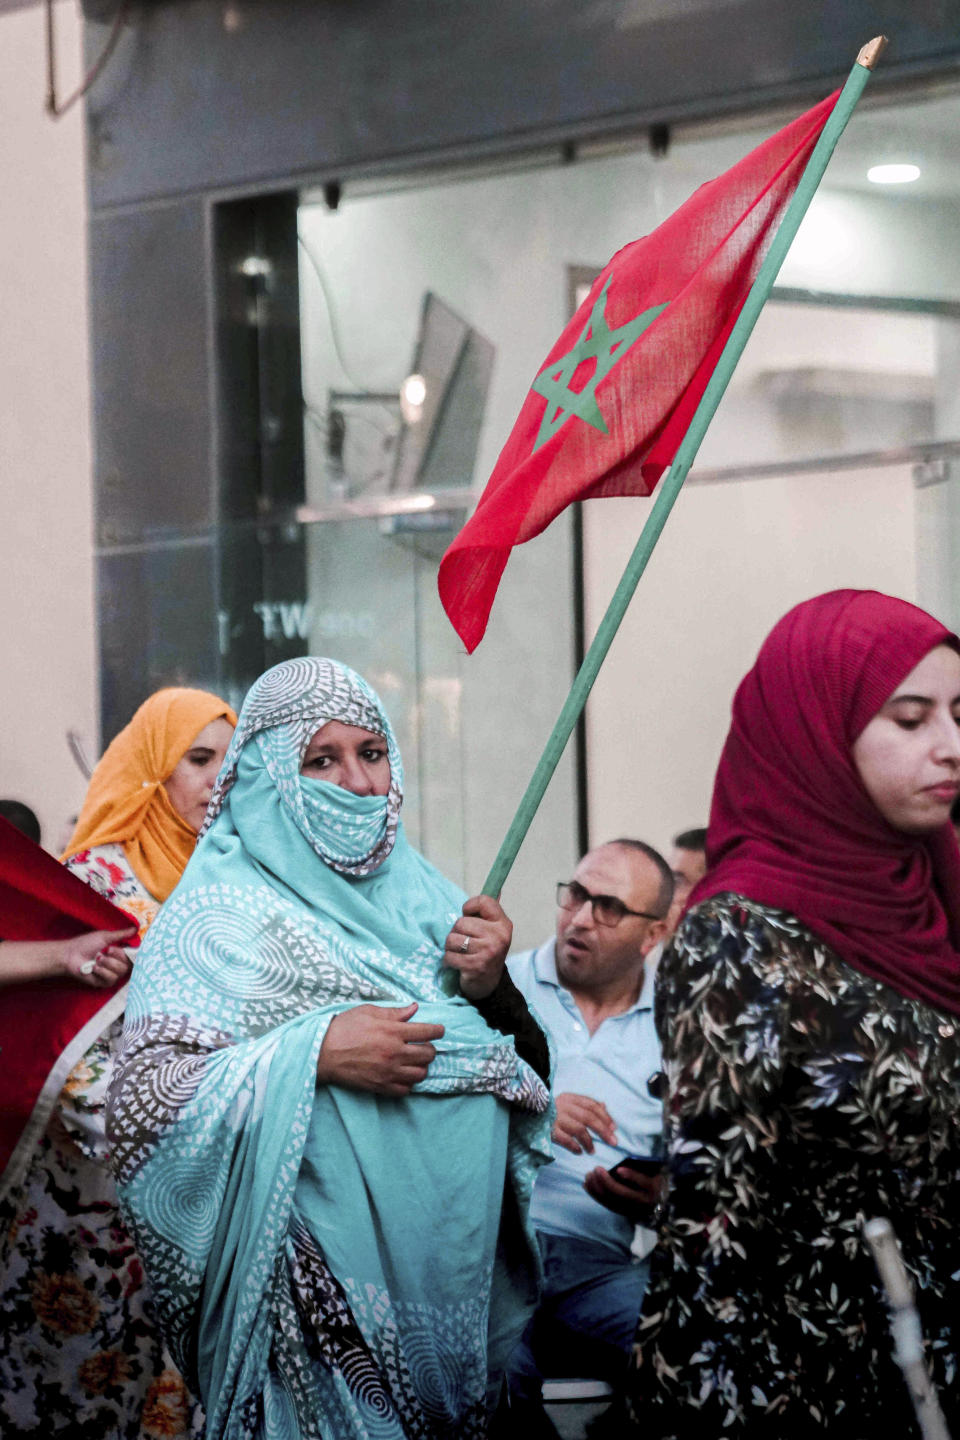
<point>40,900</point>
<point>791,823</point>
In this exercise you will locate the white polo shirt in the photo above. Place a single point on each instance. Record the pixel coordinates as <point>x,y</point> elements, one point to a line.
<point>613,1065</point>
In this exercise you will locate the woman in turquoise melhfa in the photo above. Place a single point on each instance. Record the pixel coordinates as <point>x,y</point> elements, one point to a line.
<point>330,1104</point>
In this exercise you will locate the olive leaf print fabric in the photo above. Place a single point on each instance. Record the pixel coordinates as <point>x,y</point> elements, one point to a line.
<point>803,1098</point>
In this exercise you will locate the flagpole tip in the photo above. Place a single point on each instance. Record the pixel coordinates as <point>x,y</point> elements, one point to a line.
<point>872,51</point>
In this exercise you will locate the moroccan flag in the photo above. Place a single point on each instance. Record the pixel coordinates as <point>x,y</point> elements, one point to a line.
<point>609,409</point>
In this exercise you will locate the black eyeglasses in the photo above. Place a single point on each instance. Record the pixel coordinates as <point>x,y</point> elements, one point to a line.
<point>607,909</point>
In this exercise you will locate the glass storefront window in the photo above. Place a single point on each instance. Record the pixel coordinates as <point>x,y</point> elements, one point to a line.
<point>447,291</point>
<point>873,283</point>
<point>405,341</point>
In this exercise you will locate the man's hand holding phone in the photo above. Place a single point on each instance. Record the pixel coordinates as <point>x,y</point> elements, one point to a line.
<point>633,1188</point>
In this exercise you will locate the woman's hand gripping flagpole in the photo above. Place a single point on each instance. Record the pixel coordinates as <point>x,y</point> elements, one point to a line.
<point>686,453</point>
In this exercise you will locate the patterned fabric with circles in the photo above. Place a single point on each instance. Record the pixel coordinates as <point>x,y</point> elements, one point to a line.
<point>325,1262</point>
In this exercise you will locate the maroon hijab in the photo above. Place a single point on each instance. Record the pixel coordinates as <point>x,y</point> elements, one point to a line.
<point>791,823</point>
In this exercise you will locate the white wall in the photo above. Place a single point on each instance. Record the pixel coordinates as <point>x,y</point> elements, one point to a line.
<point>47,655</point>
<point>495,249</point>
<point>733,558</point>
<point>938,500</point>
<point>817,380</point>
<point>877,244</point>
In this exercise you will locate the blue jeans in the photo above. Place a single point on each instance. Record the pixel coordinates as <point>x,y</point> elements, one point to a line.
<point>586,1319</point>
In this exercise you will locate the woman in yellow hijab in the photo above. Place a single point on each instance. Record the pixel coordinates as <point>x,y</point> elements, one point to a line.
<point>77,1339</point>
<point>146,793</point>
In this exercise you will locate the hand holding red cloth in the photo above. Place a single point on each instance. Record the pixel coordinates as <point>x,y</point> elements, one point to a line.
<point>41,900</point>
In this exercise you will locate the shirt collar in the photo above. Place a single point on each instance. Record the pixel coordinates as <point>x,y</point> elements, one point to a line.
<point>545,969</point>
<point>545,962</point>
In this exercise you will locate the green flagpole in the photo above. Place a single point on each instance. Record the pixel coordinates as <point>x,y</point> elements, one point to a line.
<point>670,487</point>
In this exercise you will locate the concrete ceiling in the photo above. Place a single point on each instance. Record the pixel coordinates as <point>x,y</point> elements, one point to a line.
<point>922,129</point>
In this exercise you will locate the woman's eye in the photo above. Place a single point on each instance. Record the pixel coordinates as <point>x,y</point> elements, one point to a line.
<point>907,724</point>
<point>373,756</point>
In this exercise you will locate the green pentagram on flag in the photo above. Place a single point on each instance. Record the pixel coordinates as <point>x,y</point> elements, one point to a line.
<point>608,348</point>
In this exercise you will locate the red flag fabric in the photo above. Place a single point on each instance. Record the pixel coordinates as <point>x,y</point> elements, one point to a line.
<point>40,900</point>
<point>608,411</point>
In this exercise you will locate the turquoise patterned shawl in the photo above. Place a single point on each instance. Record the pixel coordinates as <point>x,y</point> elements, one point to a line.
<point>326,1262</point>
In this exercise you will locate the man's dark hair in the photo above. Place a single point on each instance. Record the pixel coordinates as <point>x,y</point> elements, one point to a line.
<point>665,892</point>
<point>691,839</point>
<point>22,817</point>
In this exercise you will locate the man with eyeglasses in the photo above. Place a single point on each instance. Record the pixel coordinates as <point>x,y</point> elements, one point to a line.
<point>589,990</point>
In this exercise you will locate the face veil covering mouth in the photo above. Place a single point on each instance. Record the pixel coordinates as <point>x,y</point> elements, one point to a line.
<point>284,710</point>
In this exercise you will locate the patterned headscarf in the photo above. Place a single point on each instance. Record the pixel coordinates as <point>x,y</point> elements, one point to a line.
<point>126,802</point>
<point>285,708</point>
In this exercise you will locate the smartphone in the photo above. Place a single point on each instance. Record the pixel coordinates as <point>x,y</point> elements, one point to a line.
<point>638,1165</point>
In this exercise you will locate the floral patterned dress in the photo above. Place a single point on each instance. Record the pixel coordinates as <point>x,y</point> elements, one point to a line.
<point>803,1098</point>
<point>80,1356</point>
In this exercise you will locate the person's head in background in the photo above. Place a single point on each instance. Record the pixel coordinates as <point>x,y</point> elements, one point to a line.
<point>150,788</point>
<point>22,817</point>
<point>688,863</point>
<point>610,916</point>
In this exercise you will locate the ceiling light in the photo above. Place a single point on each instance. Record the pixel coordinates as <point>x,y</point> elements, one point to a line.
<point>893,174</point>
<point>413,393</point>
<point>417,502</point>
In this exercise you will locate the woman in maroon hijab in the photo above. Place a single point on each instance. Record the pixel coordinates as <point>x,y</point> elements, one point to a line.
<point>809,1010</point>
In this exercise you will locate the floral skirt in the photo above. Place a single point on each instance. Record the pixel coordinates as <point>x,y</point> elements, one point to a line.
<point>80,1355</point>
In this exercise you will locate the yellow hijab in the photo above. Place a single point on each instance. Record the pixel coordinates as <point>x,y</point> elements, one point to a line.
<point>126,802</point>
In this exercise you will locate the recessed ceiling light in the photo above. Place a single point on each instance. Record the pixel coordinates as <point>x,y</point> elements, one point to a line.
<point>893,174</point>
<point>413,392</point>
